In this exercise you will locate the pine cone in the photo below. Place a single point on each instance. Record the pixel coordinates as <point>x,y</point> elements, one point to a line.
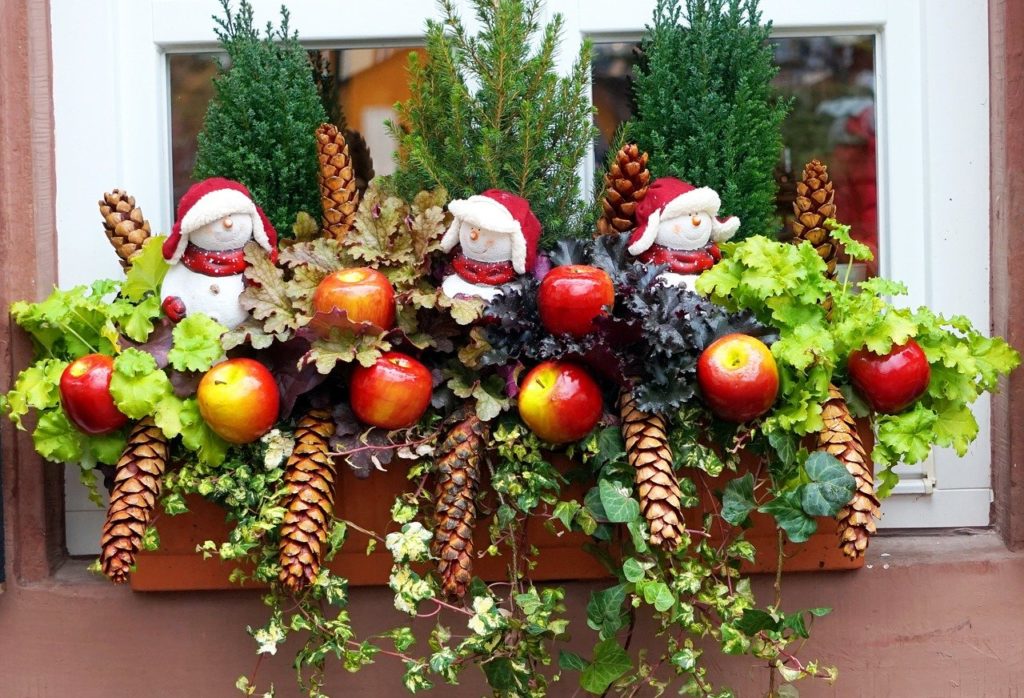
<point>124,224</point>
<point>362,159</point>
<point>309,479</point>
<point>458,466</point>
<point>136,489</point>
<point>840,438</point>
<point>650,455</point>
<point>625,185</point>
<point>814,204</point>
<point>339,196</point>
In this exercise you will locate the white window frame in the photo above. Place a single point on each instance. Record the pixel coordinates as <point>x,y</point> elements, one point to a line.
<point>111,114</point>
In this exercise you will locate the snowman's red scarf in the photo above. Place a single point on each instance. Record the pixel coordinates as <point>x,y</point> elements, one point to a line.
<point>213,262</point>
<point>683,261</point>
<point>488,273</point>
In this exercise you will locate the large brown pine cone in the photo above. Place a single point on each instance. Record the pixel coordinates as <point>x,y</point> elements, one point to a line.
<point>625,186</point>
<point>814,204</point>
<point>309,479</point>
<point>651,457</point>
<point>459,461</point>
<point>124,224</point>
<point>840,438</point>
<point>339,195</point>
<point>133,499</point>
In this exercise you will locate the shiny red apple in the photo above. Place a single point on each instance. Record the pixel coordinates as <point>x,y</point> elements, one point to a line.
<point>85,395</point>
<point>890,383</point>
<point>560,402</point>
<point>239,400</point>
<point>363,293</point>
<point>572,296</point>
<point>738,377</point>
<point>393,393</point>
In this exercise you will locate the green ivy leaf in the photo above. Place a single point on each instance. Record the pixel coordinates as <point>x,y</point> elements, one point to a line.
<point>196,343</point>
<point>604,610</point>
<point>738,499</point>
<point>754,620</point>
<point>831,485</point>
<point>632,570</point>
<point>618,502</point>
<point>790,516</point>
<point>571,661</point>
<point>609,663</point>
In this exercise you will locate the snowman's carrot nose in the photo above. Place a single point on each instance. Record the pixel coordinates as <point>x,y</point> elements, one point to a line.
<point>695,220</point>
<point>227,222</point>
<point>474,234</point>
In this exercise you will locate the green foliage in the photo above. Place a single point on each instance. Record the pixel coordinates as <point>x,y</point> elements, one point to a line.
<point>489,111</point>
<point>259,127</point>
<point>784,285</point>
<point>705,110</point>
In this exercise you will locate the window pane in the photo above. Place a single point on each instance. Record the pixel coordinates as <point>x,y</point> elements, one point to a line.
<point>831,81</point>
<point>368,83</point>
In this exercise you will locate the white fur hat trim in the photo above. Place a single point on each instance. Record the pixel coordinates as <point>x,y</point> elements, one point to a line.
<point>218,204</point>
<point>489,214</point>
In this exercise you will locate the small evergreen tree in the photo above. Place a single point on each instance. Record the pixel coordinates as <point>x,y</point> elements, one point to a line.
<point>260,125</point>
<point>486,111</point>
<point>706,111</point>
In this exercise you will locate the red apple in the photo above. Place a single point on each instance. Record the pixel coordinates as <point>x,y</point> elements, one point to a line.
<point>570,297</point>
<point>85,395</point>
<point>738,377</point>
<point>560,402</point>
<point>239,399</point>
<point>363,293</point>
<point>890,383</point>
<point>393,393</point>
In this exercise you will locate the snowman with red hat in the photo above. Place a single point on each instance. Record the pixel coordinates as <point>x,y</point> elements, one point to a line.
<point>494,235</point>
<point>216,218</point>
<point>678,226</point>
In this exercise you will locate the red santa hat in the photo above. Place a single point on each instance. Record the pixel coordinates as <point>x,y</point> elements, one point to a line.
<point>501,212</point>
<point>210,200</point>
<point>669,197</point>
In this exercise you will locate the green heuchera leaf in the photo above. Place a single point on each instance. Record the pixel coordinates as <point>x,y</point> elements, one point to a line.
<point>905,437</point>
<point>609,663</point>
<point>137,385</point>
<point>35,388</point>
<point>196,343</point>
<point>831,485</point>
<point>196,435</point>
<point>147,271</point>
<point>738,499</point>
<point>55,439</point>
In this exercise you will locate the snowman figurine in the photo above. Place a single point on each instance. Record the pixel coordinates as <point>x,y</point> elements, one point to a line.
<point>678,225</point>
<point>216,218</point>
<point>496,235</point>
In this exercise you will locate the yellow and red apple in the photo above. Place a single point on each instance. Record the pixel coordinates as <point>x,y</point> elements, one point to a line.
<point>559,402</point>
<point>239,400</point>
<point>890,382</point>
<point>738,377</point>
<point>393,393</point>
<point>363,293</point>
<point>85,395</point>
<point>572,296</point>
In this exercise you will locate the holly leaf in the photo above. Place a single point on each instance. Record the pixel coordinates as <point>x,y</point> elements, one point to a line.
<point>618,502</point>
<point>147,271</point>
<point>738,499</point>
<point>55,439</point>
<point>137,384</point>
<point>609,663</point>
<point>790,516</point>
<point>831,485</point>
<point>197,343</point>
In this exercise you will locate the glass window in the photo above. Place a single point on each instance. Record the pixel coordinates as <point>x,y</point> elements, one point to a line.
<point>831,82</point>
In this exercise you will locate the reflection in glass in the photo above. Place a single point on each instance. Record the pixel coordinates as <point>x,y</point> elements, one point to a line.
<point>831,81</point>
<point>368,83</point>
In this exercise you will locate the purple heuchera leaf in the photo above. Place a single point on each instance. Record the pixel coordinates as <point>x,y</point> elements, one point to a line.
<point>541,267</point>
<point>510,373</point>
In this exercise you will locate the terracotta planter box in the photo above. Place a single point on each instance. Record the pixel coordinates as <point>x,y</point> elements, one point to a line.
<point>177,566</point>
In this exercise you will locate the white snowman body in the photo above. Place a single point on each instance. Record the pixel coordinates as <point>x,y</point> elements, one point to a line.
<point>216,296</point>
<point>687,231</point>
<point>481,245</point>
